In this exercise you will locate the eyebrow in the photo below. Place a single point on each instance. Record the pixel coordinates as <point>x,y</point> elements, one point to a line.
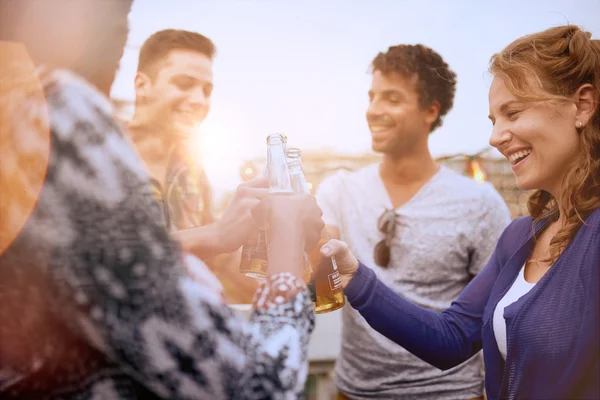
<point>388,92</point>
<point>191,77</point>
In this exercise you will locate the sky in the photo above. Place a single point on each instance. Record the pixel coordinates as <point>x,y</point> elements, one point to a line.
<point>301,66</point>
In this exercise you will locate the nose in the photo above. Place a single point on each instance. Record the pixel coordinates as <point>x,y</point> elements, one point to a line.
<point>198,97</point>
<point>500,136</point>
<point>374,109</point>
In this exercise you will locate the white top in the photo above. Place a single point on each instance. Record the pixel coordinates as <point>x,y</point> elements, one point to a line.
<point>519,288</point>
<point>444,234</point>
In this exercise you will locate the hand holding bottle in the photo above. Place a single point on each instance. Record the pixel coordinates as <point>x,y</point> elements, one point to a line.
<point>346,262</point>
<point>237,222</point>
<point>293,223</point>
<point>293,218</point>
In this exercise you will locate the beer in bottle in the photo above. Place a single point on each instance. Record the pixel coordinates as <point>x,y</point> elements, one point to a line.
<point>300,186</point>
<point>254,252</point>
<point>326,284</point>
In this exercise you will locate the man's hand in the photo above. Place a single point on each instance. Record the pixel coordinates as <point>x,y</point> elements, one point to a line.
<point>228,234</point>
<point>237,222</point>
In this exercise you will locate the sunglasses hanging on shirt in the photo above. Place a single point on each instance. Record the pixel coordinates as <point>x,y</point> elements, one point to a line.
<point>387,226</point>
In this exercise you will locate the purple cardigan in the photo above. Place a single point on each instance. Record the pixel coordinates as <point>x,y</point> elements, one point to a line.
<point>553,332</point>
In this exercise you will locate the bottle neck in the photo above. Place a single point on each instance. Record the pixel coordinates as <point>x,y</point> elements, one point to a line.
<point>295,166</point>
<point>279,176</point>
<point>293,160</point>
<point>298,179</point>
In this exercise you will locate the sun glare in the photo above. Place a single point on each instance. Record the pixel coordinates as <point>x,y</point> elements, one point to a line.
<point>222,147</point>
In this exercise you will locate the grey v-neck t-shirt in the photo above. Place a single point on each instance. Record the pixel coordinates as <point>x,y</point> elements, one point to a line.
<point>445,234</point>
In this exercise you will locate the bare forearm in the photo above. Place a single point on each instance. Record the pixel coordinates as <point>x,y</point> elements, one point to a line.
<point>286,249</point>
<point>202,241</point>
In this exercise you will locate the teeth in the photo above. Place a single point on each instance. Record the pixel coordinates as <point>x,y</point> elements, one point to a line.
<point>376,129</point>
<point>515,156</point>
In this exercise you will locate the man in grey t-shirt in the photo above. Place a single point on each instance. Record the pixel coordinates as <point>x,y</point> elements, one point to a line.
<point>433,228</point>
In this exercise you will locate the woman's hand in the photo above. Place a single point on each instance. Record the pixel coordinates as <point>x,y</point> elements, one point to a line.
<point>345,260</point>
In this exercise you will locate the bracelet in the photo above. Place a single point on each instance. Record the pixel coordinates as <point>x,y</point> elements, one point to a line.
<point>277,290</point>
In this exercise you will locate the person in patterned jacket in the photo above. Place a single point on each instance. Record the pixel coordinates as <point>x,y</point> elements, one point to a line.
<point>94,300</point>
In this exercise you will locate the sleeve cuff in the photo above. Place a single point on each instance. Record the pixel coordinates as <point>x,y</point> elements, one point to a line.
<point>360,287</point>
<point>284,299</point>
<point>276,290</point>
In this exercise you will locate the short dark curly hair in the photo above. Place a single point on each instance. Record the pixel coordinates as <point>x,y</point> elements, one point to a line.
<point>435,79</point>
<point>158,46</point>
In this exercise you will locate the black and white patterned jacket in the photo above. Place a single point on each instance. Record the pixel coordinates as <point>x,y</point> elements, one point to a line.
<point>94,299</point>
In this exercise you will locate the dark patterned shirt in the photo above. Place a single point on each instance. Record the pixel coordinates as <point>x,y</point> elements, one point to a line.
<point>186,199</point>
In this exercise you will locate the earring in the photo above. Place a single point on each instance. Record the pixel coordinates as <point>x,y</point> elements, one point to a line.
<point>580,124</point>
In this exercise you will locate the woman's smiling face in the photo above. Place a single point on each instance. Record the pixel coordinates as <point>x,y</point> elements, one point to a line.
<point>539,138</point>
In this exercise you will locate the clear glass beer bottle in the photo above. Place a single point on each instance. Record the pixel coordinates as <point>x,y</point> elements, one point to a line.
<point>254,252</point>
